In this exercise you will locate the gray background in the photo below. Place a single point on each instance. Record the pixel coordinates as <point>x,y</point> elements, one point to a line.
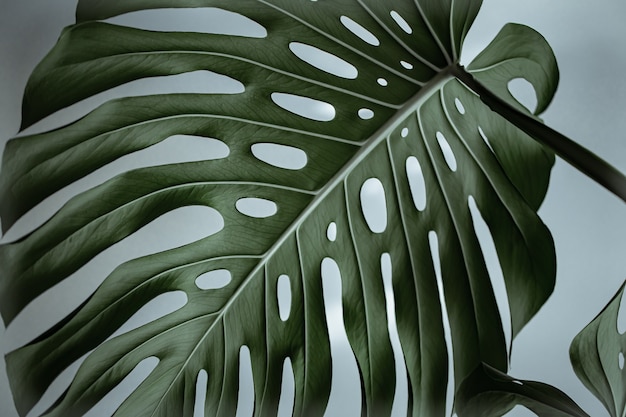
<point>586,221</point>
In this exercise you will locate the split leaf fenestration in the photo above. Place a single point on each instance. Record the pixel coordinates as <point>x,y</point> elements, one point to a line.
<point>597,355</point>
<point>404,120</point>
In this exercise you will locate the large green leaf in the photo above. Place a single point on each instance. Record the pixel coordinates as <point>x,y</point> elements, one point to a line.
<point>418,109</point>
<point>597,355</point>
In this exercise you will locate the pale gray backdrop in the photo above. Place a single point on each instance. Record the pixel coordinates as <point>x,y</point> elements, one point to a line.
<point>588,224</point>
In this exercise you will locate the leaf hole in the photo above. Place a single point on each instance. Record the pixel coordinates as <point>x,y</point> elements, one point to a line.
<point>523,92</point>
<point>484,138</point>
<point>287,391</point>
<point>158,307</point>
<point>201,389</point>
<point>406,65</point>
<point>331,231</point>
<point>401,395</point>
<point>184,148</point>
<point>620,360</point>
<point>245,398</point>
<point>447,151</point>
<point>382,82</point>
<point>283,293</point>
<point>401,22</point>
<point>197,19</point>
<point>434,251</point>
<point>344,392</point>
<point>417,184</point>
<point>621,316</point>
<point>459,106</point>
<point>358,30</point>
<point>108,404</point>
<point>515,381</point>
<point>259,208</point>
<point>323,60</point>
<point>374,205</point>
<point>305,106</point>
<point>214,280</point>
<point>494,269</point>
<point>280,156</point>
<point>366,114</point>
<point>404,132</point>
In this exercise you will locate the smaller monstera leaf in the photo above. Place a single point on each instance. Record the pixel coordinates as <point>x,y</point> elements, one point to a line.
<point>488,392</point>
<point>597,355</point>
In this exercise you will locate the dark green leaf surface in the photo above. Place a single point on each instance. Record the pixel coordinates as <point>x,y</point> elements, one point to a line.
<point>597,354</point>
<point>488,392</point>
<point>495,165</point>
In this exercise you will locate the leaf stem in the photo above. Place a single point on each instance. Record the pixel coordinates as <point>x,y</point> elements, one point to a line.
<point>576,155</point>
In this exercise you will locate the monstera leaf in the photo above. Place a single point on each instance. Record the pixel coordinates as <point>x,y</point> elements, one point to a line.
<point>399,121</point>
<point>597,354</point>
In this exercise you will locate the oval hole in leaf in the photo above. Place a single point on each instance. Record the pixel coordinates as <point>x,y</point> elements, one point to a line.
<point>287,391</point>
<point>114,398</point>
<point>406,65</point>
<point>383,82</point>
<point>324,61</point>
<point>524,93</point>
<point>214,280</point>
<point>259,208</point>
<point>447,151</point>
<point>283,293</point>
<point>459,106</point>
<point>620,360</point>
<point>404,132</point>
<point>201,387</point>
<point>374,205</point>
<point>364,34</point>
<point>305,106</point>
<point>245,399</point>
<point>401,22</point>
<point>344,392</point>
<point>366,114</point>
<point>197,19</point>
<point>159,306</point>
<point>280,156</point>
<point>331,231</point>
<point>416,182</point>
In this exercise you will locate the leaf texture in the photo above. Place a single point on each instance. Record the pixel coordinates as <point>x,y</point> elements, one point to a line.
<point>488,392</point>
<point>467,156</point>
<point>597,355</point>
